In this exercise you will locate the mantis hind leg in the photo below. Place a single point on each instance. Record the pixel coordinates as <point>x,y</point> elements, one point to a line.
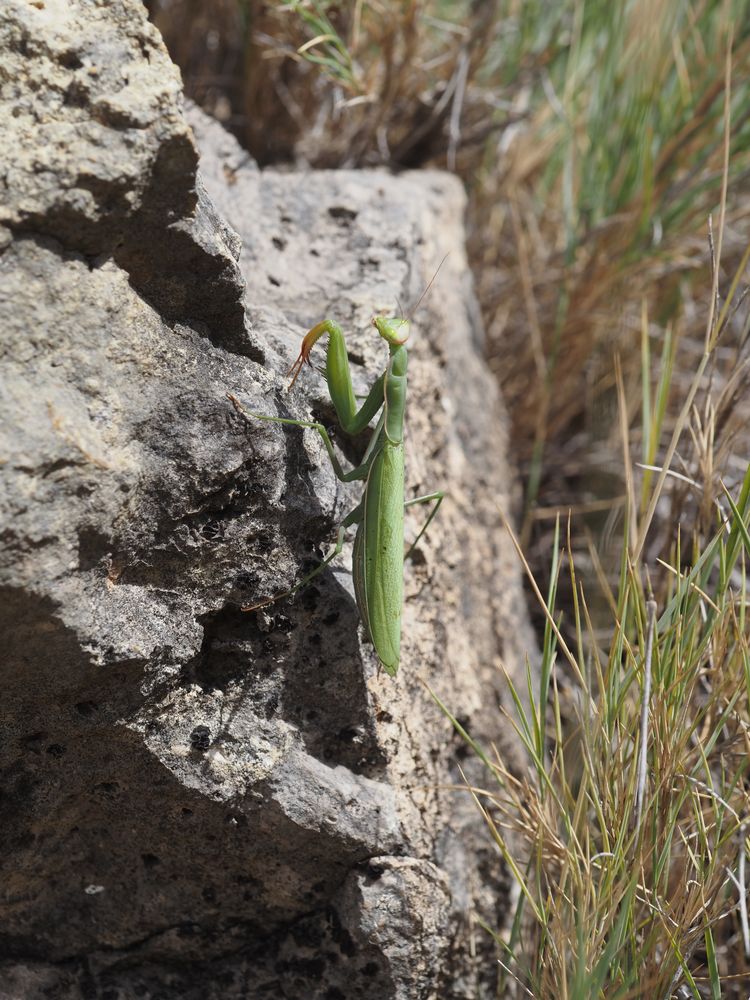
<point>437,498</point>
<point>354,517</point>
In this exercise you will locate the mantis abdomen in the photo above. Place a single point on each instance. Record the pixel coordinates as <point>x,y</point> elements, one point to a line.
<point>378,563</point>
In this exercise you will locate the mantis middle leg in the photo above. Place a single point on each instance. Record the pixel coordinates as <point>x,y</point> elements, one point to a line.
<point>353,517</point>
<point>437,497</point>
<point>360,472</point>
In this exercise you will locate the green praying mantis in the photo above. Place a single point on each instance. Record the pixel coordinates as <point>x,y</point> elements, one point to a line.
<point>378,556</point>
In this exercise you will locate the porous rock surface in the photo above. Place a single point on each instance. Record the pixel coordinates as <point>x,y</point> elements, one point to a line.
<point>196,801</point>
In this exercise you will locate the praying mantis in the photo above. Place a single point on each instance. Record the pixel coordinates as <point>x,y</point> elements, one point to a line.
<point>378,555</point>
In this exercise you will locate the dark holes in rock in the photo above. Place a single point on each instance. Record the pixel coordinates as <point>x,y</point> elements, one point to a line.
<point>33,742</point>
<point>417,557</point>
<point>341,936</point>
<point>233,641</point>
<point>56,750</point>
<point>309,598</point>
<point>312,968</point>
<point>86,708</point>
<point>107,789</point>
<point>279,243</point>
<point>271,706</point>
<point>70,59</point>
<point>150,860</point>
<point>273,281</point>
<point>200,739</point>
<point>212,530</point>
<point>307,935</point>
<point>374,872</point>
<point>350,734</point>
<point>342,214</point>
<point>245,580</point>
<point>462,722</point>
<point>75,95</point>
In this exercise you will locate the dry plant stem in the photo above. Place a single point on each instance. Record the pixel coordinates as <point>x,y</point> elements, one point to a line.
<point>640,790</point>
<point>542,603</point>
<point>622,407</point>
<point>743,890</point>
<point>454,132</point>
<point>711,327</point>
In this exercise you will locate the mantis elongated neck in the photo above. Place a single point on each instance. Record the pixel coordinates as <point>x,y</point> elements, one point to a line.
<point>395,394</point>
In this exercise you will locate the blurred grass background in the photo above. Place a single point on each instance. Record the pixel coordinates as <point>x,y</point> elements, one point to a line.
<point>594,138</point>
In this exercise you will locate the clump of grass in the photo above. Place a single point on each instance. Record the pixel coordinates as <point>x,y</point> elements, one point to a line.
<point>325,47</point>
<point>630,877</point>
<point>627,831</point>
<point>342,84</point>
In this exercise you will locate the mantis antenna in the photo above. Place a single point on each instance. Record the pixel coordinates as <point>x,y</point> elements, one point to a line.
<point>429,286</point>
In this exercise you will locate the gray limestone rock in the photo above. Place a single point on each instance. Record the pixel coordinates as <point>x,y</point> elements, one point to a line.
<point>97,156</point>
<point>198,801</point>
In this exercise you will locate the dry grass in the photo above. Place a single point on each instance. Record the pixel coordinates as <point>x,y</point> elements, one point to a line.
<point>628,830</point>
<point>593,138</point>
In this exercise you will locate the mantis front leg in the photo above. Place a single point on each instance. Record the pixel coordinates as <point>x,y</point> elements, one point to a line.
<point>339,378</point>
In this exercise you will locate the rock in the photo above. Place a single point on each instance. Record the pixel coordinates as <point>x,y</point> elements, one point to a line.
<point>94,78</point>
<point>201,802</point>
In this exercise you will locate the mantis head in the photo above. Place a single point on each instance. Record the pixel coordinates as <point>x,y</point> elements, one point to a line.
<point>393,329</point>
